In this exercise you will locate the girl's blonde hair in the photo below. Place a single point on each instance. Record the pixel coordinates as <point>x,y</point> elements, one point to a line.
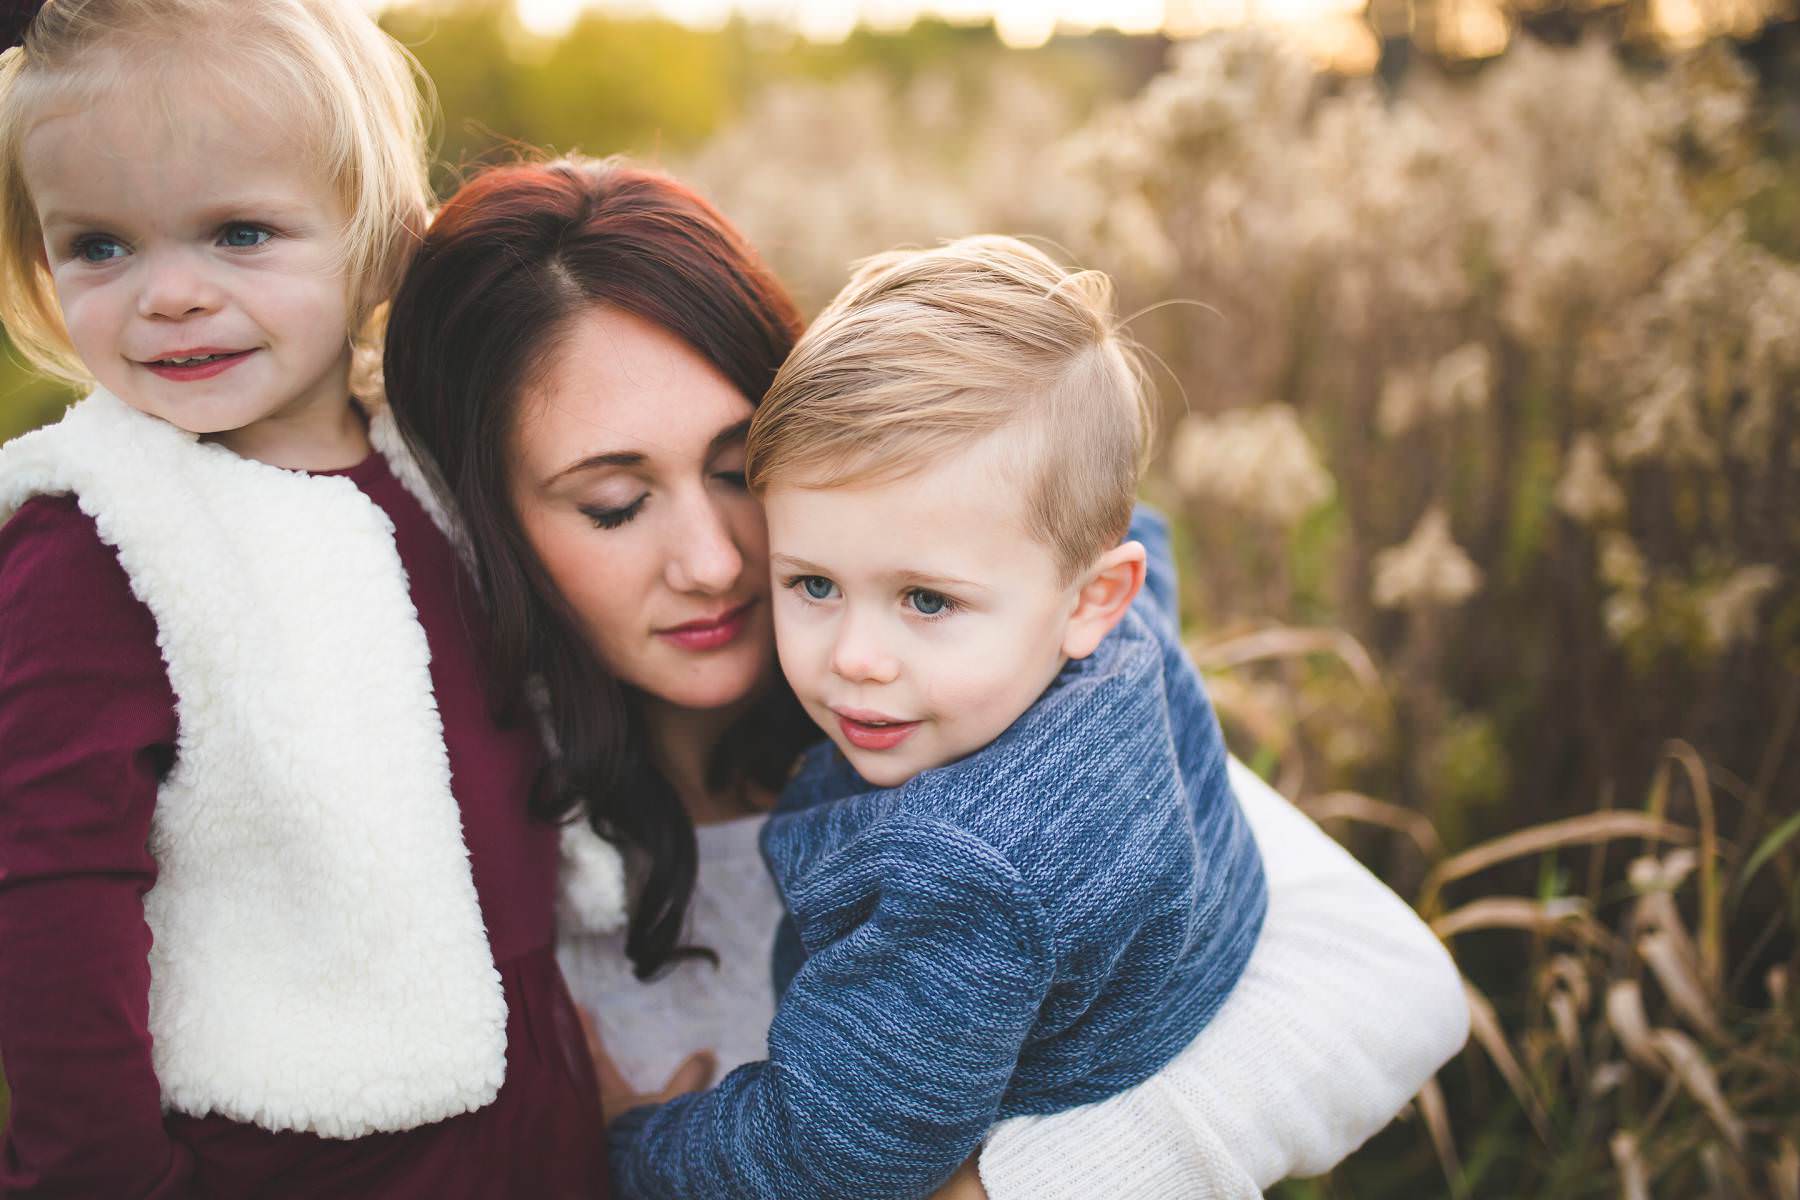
<point>925,351</point>
<point>353,98</point>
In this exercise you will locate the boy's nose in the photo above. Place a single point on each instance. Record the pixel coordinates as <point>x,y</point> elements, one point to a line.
<point>858,656</point>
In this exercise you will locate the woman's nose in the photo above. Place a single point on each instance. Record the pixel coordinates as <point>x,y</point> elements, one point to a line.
<point>705,556</point>
<point>174,287</point>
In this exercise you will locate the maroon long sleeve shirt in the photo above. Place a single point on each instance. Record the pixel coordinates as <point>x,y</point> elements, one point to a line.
<point>87,730</point>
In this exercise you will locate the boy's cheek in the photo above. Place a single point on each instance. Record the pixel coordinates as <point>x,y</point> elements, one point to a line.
<point>795,647</point>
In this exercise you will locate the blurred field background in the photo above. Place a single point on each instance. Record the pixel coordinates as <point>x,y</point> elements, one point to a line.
<point>1477,329</point>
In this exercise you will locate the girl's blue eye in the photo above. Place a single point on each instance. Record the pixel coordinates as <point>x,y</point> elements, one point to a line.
<point>817,587</point>
<point>98,249</point>
<point>929,604</point>
<point>244,237</point>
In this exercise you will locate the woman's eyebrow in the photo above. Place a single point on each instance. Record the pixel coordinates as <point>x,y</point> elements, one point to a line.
<point>614,458</point>
<point>727,436</point>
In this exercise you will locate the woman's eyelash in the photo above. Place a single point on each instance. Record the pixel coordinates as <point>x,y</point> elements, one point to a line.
<point>612,518</point>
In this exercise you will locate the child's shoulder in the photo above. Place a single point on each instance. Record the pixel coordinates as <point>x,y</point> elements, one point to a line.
<point>56,572</point>
<point>50,535</point>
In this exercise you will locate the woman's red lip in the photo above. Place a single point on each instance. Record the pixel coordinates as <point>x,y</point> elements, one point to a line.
<point>710,634</point>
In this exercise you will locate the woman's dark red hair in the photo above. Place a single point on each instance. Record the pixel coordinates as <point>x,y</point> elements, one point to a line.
<point>516,255</point>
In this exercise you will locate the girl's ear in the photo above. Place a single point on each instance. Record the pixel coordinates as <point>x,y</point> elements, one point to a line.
<point>1112,583</point>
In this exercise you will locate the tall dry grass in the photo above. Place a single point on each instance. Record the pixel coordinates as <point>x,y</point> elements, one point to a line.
<point>1483,403</point>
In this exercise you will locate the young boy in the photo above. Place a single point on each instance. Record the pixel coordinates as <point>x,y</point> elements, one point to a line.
<point>1017,879</point>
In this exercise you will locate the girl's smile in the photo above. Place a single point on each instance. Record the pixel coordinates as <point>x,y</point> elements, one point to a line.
<point>196,364</point>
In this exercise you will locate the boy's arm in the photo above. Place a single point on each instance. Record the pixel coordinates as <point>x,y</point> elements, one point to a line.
<point>1348,1006</point>
<point>892,1047</point>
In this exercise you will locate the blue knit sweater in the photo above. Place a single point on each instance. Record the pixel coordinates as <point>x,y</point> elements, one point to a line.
<point>1037,926</point>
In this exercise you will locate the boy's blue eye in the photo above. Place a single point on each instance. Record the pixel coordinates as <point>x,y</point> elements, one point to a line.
<point>817,587</point>
<point>243,237</point>
<point>99,249</point>
<point>928,604</point>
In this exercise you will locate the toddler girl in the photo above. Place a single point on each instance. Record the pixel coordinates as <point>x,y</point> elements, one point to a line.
<point>273,919</point>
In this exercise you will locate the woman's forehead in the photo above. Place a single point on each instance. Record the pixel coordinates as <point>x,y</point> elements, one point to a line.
<point>618,385</point>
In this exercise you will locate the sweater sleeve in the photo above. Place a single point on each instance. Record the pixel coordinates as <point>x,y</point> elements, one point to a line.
<point>1348,1006</point>
<point>87,723</point>
<point>892,1048</point>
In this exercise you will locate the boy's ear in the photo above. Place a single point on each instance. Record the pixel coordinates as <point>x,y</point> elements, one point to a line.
<point>1112,584</point>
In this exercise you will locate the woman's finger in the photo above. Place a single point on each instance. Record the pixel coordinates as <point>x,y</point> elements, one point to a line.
<point>695,1073</point>
<point>616,1094</point>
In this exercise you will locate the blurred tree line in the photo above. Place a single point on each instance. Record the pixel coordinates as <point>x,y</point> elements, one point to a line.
<point>658,90</point>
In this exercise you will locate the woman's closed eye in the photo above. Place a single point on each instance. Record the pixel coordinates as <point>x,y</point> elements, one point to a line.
<point>605,517</point>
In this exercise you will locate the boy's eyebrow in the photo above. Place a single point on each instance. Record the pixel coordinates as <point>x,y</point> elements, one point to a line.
<point>927,580</point>
<point>923,579</point>
<point>797,564</point>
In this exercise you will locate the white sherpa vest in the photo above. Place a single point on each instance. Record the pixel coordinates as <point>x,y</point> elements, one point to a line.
<point>320,962</point>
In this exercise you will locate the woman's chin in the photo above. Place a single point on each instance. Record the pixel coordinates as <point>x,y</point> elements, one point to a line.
<point>718,681</point>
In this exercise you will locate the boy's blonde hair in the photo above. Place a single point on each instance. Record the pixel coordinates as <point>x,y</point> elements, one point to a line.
<point>925,351</point>
<point>352,97</point>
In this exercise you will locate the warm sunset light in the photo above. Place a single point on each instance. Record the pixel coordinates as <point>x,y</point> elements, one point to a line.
<point>1018,22</point>
<point>1335,34</point>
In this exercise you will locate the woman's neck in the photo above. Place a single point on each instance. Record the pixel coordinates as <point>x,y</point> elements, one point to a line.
<point>685,740</point>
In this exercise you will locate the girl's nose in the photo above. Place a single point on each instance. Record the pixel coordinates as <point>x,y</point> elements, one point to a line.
<point>175,287</point>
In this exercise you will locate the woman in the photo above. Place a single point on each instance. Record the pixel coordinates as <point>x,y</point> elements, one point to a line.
<point>579,347</point>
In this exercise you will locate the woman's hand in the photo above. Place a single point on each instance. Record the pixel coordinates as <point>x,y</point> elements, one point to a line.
<point>617,1094</point>
<point>964,1185</point>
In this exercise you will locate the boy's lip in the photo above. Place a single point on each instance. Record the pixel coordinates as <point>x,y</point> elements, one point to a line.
<point>869,730</point>
<point>709,633</point>
<point>217,361</point>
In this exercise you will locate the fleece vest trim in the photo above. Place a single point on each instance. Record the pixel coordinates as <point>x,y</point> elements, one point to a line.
<point>320,962</point>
